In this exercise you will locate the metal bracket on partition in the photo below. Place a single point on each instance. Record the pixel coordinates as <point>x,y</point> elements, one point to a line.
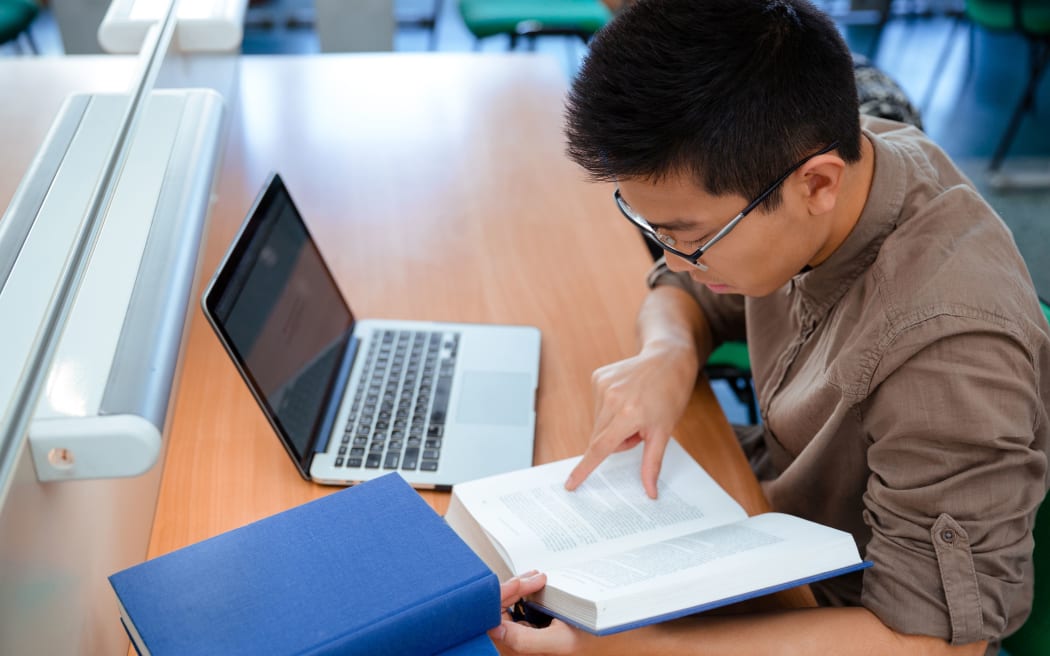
<point>93,447</point>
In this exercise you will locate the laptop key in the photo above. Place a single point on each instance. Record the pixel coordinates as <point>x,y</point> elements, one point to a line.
<point>357,451</point>
<point>428,465</point>
<point>431,454</point>
<point>391,460</point>
<point>353,462</point>
<point>338,462</point>
<point>411,458</point>
<point>435,430</point>
<point>433,444</point>
<point>373,460</point>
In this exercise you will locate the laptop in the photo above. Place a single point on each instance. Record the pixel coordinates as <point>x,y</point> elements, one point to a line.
<point>352,399</point>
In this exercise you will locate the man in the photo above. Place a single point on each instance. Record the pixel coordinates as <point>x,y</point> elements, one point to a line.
<point>896,341</point>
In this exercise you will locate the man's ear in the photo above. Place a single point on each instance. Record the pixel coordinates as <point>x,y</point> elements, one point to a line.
<point>820,182</point>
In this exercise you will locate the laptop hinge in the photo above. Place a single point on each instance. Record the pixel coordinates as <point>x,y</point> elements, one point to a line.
<point>335,399</point>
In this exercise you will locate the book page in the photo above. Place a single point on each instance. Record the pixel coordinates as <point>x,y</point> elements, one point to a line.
<point>536,523</point>
<point>667,556</point>
<point>687,571</point>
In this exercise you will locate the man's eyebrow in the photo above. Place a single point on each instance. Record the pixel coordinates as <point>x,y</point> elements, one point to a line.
<point>674,224</point>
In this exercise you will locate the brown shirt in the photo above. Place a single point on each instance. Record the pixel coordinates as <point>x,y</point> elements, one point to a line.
<point>904,386</point>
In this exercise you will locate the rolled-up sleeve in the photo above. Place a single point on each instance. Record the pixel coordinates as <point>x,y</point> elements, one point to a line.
<point>956,478</point>
<point>724,312</point>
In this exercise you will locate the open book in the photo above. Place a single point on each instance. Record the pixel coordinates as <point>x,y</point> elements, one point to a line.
<point>616,560</point>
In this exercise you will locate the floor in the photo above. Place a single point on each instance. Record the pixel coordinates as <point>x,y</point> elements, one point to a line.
<point>965,106</point>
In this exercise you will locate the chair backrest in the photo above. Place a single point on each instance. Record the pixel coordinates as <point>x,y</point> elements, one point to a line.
<point>490,17</point>
<point>1028,16</point>
<point>15,17</point>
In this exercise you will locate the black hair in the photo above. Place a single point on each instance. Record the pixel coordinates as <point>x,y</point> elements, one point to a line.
<point>731,92</point>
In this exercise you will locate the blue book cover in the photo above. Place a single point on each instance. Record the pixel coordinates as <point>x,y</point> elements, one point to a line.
<point>479,646</point>
<point>367,570</point>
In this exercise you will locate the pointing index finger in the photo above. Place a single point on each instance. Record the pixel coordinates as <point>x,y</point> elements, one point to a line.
<point>599,449</point>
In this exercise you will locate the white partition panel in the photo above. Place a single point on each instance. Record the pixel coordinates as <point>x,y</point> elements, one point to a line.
<point>105,406</point>
<point>98,260</point>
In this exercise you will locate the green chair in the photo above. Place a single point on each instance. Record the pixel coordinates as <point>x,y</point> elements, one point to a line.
<point>533,18</point>
<point>730,362</point>
<point>1033,638</point>
<point>15,19</point>
<point>1030,19</point>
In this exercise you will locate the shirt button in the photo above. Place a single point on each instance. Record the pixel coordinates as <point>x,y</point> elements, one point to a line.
<point>948,536</point>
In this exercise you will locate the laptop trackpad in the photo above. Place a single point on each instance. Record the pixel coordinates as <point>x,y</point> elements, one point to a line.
<point>495,397</point>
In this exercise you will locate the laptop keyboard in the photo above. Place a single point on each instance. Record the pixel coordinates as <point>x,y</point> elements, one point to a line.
<point>397,417</point>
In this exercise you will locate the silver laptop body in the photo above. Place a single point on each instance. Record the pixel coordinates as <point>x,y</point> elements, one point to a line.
<point>355,399</point>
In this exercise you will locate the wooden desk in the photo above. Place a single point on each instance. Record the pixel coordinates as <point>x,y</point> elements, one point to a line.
<point>438,189</point>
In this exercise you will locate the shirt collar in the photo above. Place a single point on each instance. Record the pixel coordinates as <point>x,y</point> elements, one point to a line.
<point>822,286</point>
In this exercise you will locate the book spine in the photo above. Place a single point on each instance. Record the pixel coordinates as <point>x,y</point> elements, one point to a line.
<point>428,627</point>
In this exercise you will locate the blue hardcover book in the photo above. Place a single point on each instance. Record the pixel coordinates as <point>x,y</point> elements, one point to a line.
<point>367,570</point>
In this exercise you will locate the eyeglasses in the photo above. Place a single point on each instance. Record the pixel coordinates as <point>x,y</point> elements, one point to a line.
<point>667,242</point>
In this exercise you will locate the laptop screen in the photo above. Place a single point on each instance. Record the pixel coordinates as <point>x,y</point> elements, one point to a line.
<point>282,316</point>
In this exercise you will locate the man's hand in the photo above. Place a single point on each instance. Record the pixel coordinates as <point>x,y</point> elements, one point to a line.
<point>639,399</point>
<point>521,638</point>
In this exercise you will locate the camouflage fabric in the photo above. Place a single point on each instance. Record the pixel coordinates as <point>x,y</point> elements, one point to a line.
<point>881,96</point>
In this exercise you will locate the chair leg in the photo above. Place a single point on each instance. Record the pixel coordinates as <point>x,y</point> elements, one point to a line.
<point>884,17</point>
<point>24,41</point>
<point>942,61</point>
<point>971,55</point>
<point>433,38</point>
<point>1039,55</point>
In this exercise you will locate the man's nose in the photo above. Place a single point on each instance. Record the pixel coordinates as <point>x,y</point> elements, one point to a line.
<point>675,263</point>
